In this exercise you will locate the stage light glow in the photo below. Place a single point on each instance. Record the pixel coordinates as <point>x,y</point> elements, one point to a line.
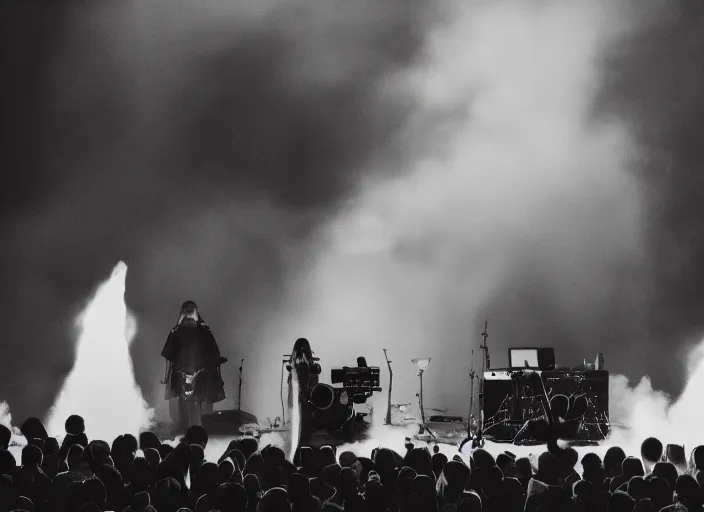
<point>422,363</point>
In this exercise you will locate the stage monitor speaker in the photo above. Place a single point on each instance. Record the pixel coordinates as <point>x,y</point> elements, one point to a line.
<point>542,358</point>
<point>226,422</point>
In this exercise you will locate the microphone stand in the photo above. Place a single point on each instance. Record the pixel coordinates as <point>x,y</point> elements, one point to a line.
<point>239,389</point>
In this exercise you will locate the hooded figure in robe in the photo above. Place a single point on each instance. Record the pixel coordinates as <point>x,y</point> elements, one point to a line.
<point>193,379</point>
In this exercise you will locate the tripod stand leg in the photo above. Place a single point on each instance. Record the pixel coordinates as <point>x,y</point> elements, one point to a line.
<point>591,420</point>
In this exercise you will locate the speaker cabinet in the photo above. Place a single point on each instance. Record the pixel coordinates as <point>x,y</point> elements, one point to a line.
<point>227,422</point>
<point>495,392</point>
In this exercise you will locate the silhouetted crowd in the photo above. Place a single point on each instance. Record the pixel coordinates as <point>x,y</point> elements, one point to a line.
<point>148,475</point>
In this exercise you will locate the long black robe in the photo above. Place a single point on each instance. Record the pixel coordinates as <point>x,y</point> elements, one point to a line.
<point>189,349</point>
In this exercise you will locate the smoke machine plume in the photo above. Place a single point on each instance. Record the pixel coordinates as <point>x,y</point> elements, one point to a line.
<point>518,206</point>
<point>101,385</point>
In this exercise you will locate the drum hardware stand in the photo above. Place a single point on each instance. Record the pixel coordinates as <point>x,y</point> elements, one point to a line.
<point>486,365</point>
<point>535,409</point>
<point>503,410</point>
<point>470,416</point>
<point>591,417</point>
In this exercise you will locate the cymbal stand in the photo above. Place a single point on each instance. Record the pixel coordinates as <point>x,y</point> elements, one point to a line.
<point>503,409</point>
<point>591,417</point>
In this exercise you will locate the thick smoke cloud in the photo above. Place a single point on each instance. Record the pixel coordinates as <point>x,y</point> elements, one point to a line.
<point>528,204</point>
<point>202,143</point>
<point>653,82</point>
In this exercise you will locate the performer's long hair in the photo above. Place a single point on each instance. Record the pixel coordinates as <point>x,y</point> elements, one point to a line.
<point>189,308</point>
<point>302,346</point>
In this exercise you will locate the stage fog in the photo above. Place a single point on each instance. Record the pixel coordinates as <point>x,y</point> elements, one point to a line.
<point>387,177</point>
